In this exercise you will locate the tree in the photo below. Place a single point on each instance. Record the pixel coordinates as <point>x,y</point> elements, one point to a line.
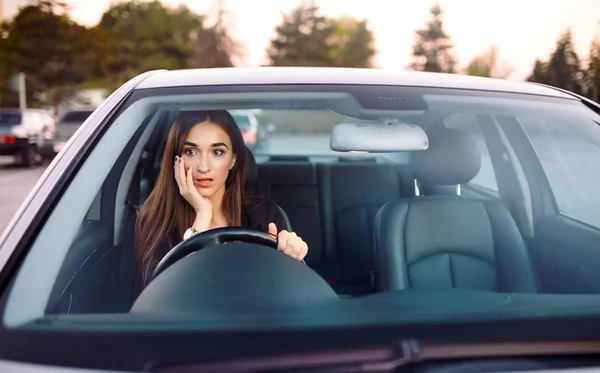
<point>305,38</point>
<point>593,71</point>
<point>563,70</point>
<point>53,6</point>
<point>432,48</point>
<point>7,67</point>
<point>351,43</point>
<point>139,36</point>
<point>487,64</point>
<point>213,46</point>
<point>51,49</point>
<point>301,39</point>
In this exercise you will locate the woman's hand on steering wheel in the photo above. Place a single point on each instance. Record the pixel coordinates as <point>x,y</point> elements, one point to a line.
<point>289,242</point>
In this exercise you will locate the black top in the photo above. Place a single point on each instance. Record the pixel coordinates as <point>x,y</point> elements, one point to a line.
<point>258,212</point>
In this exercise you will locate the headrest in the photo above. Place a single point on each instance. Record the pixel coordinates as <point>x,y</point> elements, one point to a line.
<point>249,174</point>
<point>452,158</point>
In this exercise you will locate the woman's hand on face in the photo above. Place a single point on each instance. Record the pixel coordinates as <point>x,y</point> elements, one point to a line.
<point>289,243</point>
<point>188,190</point>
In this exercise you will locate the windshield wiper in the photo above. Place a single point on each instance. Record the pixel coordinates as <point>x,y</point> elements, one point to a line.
<point>388,359</point>
<point>356,360</point>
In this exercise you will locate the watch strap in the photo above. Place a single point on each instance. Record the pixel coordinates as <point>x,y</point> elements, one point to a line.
<point>189,233</point>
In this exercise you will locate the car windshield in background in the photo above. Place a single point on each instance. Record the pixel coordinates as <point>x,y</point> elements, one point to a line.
<point>242,121</point>
<point>75,117</point>
<point>10,118</point>
<point>504,201</point>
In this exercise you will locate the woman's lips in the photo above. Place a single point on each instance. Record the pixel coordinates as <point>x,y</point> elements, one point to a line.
<point>204,182</point>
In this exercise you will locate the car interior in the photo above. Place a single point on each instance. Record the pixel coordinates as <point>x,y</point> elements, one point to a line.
<point>374,223</point>
<point>324,202</point>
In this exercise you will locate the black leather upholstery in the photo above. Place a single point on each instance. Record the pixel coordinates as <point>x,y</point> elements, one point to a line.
<point>357,192</point>
<point>332,206</point>
<point>293,184</point>
<point>444,241</point>
<point>249,173</point>
<point>249,177</point>
<point>452,158</point>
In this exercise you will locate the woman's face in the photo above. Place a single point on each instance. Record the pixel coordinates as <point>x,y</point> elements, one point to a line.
<point>207,150</point>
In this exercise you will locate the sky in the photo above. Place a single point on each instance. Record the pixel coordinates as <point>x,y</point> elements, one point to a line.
<point>523,30</point>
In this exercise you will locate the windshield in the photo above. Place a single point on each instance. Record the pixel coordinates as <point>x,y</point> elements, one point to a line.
<point>501,198</point>
<point>10,118</point>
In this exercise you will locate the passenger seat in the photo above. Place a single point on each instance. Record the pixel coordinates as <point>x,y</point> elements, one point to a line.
<point>449,241</point>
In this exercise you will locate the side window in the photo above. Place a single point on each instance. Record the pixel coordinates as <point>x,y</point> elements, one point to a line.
<point>571,161</point>
<point>467,123</point>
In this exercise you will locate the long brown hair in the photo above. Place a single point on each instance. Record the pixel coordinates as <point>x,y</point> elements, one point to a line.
<point>165,215</point>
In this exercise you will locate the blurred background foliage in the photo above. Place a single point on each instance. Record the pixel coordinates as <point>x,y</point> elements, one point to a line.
<point>61,58</point>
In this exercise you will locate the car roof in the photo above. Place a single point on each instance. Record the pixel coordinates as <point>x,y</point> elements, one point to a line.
<point>328,75</point>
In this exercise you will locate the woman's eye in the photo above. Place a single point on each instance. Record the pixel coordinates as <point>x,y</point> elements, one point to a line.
<point>219,152</point>
<point>189,151</point>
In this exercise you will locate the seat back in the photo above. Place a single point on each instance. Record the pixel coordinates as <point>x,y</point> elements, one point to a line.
<point>449,241</point>
<point>357,191</point>
<point>249,177</point>
<point>332,206</point>
<point>293,184</point>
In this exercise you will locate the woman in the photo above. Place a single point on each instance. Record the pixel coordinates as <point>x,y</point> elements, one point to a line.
<point>200,187</point>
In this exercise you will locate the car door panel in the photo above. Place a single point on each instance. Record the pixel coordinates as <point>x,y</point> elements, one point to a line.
<point>72,292</point>
<point>567,255</point>
<point>565,250</point>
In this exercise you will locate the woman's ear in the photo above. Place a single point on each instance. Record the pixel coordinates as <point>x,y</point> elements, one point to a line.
<point>232,162</point>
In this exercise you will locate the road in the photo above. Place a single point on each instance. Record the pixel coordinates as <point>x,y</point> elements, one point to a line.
<point>15,185</point>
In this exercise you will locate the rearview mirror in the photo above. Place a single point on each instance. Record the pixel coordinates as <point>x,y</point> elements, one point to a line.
<point>377,137</point>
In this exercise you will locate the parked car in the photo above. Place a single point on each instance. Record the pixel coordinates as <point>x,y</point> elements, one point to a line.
<point>27,135</point>
<point>249,125</point>
<point>68,123</point>
<point>452,222</point>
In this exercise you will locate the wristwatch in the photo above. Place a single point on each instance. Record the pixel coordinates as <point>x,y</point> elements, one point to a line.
<point>189,233</point>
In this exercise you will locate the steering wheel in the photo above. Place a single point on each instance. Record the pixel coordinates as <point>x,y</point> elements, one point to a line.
<point>213,237</point>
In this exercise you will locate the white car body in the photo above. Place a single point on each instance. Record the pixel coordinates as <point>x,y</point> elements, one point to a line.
<point>20,225</point>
